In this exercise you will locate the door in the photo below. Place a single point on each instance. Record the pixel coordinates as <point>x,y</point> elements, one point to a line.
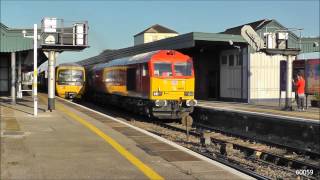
<point>131,79</point>
<point>4,75</point>
<point>213,84</point>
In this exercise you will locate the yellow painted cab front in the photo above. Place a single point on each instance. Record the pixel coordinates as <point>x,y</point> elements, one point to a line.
<point>172,89</point>
<point>172,81</point>
<point>70,82</point>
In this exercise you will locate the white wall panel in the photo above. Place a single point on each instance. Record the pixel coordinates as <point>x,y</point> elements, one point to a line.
<point>265,76</point>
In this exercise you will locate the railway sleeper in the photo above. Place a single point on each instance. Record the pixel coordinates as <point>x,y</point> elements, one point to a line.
<point>265,156</point>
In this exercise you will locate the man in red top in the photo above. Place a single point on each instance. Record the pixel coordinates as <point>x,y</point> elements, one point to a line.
<point>300,86</point>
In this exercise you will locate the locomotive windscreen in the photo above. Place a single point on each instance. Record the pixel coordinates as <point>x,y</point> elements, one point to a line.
<point>70,76</point>
<point>183,69</point>
<point>163,69</point>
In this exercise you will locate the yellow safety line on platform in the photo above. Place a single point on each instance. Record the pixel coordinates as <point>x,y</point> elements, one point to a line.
<point>130,157</point>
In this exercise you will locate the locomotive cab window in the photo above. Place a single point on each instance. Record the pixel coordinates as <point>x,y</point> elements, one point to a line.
<point>64,75</point>
<point>183,69</point>
<point>162,69</point>
<point>70,76</point>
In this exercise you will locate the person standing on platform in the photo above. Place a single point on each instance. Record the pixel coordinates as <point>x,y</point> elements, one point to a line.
<point>300,86</point>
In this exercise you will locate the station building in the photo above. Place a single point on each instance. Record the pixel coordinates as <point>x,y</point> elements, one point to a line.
<point>154,33</point>
<point>226,67</point>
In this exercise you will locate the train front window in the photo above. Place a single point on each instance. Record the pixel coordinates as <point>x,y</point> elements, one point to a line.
<point>64,75</point>
<point>162,69</point>
<point>70,76</point>
<point>183,69</point>
<point>77,76</point>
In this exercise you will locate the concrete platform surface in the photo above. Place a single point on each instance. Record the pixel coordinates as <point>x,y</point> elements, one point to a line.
<point>68,144</point>
<point>268,109</point>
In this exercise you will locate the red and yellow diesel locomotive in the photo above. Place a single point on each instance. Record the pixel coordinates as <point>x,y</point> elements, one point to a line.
<point>159,84</point>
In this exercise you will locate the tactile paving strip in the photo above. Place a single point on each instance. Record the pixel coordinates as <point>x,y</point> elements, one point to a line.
<point>128,131</point>
<point>172,156</point>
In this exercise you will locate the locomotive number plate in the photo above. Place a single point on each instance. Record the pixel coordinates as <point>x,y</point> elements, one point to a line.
<point>174,82</point>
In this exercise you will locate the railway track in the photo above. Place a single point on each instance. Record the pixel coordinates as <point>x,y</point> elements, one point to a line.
<point>253,152</point>
<point>305,152</point>
<point>222,148</point>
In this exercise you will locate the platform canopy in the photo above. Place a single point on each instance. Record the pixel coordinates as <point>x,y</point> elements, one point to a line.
<point>12,40</point>
<point>184,41</point>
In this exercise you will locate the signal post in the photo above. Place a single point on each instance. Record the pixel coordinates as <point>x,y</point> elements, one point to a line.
<point>51,80</point>
<point>57,36</point>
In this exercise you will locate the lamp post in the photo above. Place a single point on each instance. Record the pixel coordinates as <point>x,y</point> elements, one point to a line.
<point>35,67</point>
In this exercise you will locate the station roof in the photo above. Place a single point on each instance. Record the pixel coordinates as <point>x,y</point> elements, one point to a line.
<point>259,26</point>
<point>12,40</point>
<point>184,41</point>
<point>310,44</point>
<point>157,29</point>
<point>256,25</point>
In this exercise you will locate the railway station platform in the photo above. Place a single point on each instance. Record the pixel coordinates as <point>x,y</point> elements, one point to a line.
<point>266,109</point>
<point>69,144</point>
<point>265,123</point>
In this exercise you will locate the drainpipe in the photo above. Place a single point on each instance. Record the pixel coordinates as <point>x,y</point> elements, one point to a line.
<point>51,81</point>
<point>19,94</point>
<point>248,75</point>
<point>241,56</point>
<point>288,105</point>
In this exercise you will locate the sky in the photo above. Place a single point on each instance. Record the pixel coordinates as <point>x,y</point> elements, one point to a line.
<point>112,24</point>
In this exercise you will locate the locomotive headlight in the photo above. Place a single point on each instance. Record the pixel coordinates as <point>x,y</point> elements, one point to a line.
<point>188,93</point>
<point>157,93</point>
<point>191,102</point>
<point>160,103</point>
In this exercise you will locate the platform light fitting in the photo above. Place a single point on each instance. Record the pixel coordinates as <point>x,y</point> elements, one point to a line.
<point>24,32</point>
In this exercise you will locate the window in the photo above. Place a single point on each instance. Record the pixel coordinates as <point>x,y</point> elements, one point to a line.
<point>70,76</point>
<point>238,60</point>
<point>231,60</point>
<point>224,60</point>
<point>183,69</point>
<point>110,76</point>
<point>162,69</point>
<point>77,76</point>
<point>64,75</point>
